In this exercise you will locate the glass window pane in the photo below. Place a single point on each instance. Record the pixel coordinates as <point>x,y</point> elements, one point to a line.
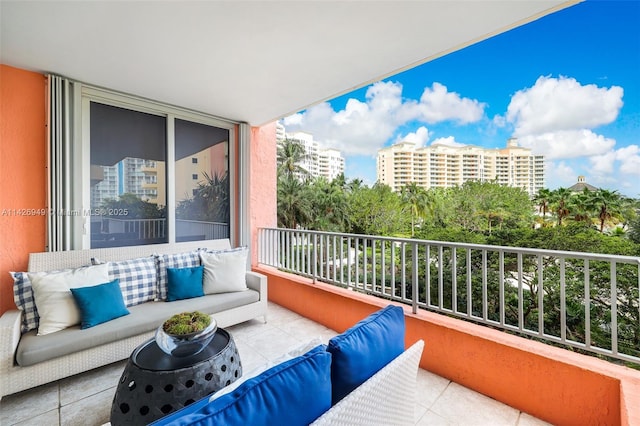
<point>128,182</point>
<point>202,181</point>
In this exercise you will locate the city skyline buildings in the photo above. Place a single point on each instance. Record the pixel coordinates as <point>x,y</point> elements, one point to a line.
<point>443,166</point>
<point>319,162</point>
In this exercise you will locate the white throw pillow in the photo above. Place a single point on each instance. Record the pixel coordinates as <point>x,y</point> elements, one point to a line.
<point>54,302</point>
<point>224,271</point>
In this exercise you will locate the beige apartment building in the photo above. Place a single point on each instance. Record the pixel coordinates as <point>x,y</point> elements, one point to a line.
<point>442,166</point>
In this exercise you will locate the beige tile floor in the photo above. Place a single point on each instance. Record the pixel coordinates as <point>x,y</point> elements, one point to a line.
<point>85,400</point>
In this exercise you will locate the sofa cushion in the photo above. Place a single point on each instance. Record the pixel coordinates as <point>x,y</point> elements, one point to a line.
<point>100,303</point>
<point>143,318</point>
<point>23,298</point>
<point>295,392</point>
<point>365,348</point>
<point>176,260</point>
<point>184,283</point>
<point>138,279</point>
<point>224,271</point>
<point>51,290</point>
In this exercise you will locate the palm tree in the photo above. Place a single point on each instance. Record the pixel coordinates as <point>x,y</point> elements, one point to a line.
<point>329,205</point>
<point>289,156</point>
<point>607,204</point>
<point>354,185</point>
<point>560,203</point>
<point>294,208</point>
<point>542,199</point>
<point>581,207</point>
<point>415,197</point>
<point>209,202</point>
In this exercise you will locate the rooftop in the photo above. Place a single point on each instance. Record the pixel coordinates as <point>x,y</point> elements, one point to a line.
<point>85,399</point>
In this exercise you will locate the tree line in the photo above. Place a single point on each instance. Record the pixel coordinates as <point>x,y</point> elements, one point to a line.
<point>601,221</point>
<point>479,212</point>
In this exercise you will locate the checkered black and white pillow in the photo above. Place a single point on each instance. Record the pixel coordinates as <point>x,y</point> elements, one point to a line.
<point>24,300</point>
<point>178,260</point>
<point>137,279</point>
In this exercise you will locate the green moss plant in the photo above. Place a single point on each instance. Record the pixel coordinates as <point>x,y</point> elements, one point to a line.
<point>186,323</point>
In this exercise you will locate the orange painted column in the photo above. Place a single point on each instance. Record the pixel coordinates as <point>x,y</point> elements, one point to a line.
<point>263,181</point>
<point>22,173</point>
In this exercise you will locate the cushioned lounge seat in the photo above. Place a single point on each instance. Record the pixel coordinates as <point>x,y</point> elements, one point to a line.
<point>145,317</point>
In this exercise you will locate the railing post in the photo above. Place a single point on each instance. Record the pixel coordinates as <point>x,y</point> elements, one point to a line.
<point>414,279</point>
<point>315,258</point>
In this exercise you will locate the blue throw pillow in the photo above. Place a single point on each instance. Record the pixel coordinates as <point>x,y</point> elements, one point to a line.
<point>365,348</point>
<point>99,303</point>
<point>184,283</point>
<point>295,392</point>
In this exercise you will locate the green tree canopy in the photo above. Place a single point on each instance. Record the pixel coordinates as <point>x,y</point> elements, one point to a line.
<point>134,206</point>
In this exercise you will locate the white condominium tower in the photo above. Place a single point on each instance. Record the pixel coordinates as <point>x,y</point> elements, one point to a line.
<point>319,162</point>
<point>442,165</point>
<point>330,163</point>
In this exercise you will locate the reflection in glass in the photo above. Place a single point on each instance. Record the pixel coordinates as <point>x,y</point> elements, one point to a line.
<point>128,189</point>
<point>202,181</point>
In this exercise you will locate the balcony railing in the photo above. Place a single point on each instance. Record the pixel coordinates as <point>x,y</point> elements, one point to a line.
<point>156,229</point>
<point>579,300</point>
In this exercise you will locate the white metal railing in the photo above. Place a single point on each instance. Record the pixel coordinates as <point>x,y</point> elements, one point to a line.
<point>582,300</point>
<point>146,229</point>
<point>201,229</point>
<point>140,229</point>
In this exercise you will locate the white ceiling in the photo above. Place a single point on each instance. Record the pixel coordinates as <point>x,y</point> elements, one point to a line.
<point>252,61</point>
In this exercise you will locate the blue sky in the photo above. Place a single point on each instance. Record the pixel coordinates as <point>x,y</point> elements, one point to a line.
<point>567,85</point>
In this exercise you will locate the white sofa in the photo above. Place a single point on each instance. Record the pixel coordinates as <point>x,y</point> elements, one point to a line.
<point>115,340</point>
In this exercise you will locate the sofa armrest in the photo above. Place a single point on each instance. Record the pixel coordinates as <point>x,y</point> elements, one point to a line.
<point>388,397</point>
<point>257,282</point>
<point>10,323</point>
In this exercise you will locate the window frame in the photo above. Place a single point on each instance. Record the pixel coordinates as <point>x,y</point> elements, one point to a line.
<point>81,193</point>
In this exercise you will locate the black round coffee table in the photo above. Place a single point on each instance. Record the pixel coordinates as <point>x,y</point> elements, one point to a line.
<point>155,384</point>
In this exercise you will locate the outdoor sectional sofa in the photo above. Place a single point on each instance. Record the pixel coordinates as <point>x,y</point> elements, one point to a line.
<point>28,360</point>
<point>364,376</point>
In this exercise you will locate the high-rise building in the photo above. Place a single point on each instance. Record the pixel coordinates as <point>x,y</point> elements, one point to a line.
<point>441,165</point>
<point>280,132</point>
<point>135,176</point>
<point>328,162</point>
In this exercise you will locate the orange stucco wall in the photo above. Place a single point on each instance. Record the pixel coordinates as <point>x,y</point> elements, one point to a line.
<point>22,172</point>
<point>553,384</point>
<point>263,177</point>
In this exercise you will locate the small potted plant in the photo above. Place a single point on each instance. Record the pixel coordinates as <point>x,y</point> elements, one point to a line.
<point>186,333</point>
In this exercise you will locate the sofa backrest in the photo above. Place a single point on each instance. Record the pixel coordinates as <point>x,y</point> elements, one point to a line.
<point>47,261</point>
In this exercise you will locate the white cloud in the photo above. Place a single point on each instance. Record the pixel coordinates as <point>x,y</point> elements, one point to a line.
<point>567,144</point>
<point>438,104</point>
<point>559,174</point>
<point>625,160</point>
<point>555,104</point>
<point>499,121</point>
<point>293,120</point>
<point>556,117</point>
<point>363,127</point>
<point>419,137</point>
<point>449,141</point>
